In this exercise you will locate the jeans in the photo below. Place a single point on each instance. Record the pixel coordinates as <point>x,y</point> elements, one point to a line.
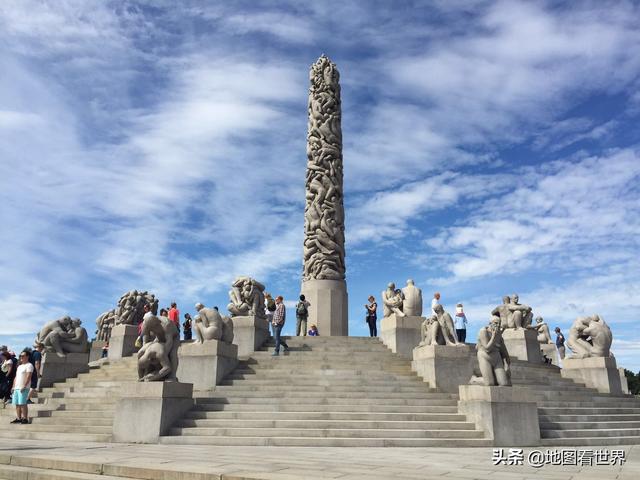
<point>462,334</point>
<point>373,329</point>
<point>301,322</point>
<point>277,329</point>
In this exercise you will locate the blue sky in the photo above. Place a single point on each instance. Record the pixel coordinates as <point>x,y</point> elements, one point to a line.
<point>489,148</point>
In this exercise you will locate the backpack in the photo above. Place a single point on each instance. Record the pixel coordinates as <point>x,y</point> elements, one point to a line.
<point>271,305</point>
<point>301,309</point>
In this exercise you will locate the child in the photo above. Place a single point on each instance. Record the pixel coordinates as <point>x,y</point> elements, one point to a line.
<point>313,332</point>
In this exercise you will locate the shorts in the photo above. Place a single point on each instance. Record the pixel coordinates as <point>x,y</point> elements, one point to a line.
<point>20,396</point>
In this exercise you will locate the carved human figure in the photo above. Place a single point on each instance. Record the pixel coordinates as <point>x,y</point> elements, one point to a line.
<point>504,313</point>
<point>412,302</point>
<point>544,335</point>
<point>61,324</point>
<point>210,325</point>
<point>246,298</point>
<point>430,331</point>
<point>392,301</point>
<point>493,358</point>
<point>73,339</point>
<point>521,315</point>
<point>590,337</point>
<point>158,356</point>
<point>446,326</point>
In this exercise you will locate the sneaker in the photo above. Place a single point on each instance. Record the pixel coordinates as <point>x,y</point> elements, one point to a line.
<point>275,354</point>
<point>17,420</point>
<point>24,421</point>
<point>30,402</point>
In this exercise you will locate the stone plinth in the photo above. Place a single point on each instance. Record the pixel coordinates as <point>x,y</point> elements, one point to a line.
<point>205,364</point>
<point>122,341</point>
<point>600,373</point>
<point>328,310</point>
<point>444,367</point>
<point>147,410</point>
<point>624,383</point>
<point>96,350</point>
<point>249,334</point>
<point>58,369</point>
<point>401,334</point>
<point>522,344</point>
<point>507,415</point>
<point>551,352</point>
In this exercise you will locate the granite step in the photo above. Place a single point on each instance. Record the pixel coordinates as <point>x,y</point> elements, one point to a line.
<point>304,424</point>
<point>328,416</point>
<point>591,433</point>
<point>23,432</point>
<point>329,400</point>
<point>359,408</point>
<point>15,472</point>
<point>328,394</point>
<point>590,441</point>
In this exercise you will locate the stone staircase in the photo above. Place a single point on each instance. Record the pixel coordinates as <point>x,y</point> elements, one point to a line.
<point>79,409</point>
<point>573,415</point>
<point>339,391</point>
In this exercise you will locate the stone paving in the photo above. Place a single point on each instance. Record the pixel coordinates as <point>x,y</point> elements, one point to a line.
<point>178,462</point>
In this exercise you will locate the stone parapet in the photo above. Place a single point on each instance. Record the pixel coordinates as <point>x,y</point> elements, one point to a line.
<point>205,364</point>
<point>122,341</point>
<point>600,373</point>
<point>57,369</point>
<point>444,367</point>
<point>522,344</point>
<point>249,334</point>
<point>401,334</point>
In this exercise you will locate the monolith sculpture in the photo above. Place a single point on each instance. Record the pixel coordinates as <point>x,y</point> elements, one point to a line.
<point>323,279</point>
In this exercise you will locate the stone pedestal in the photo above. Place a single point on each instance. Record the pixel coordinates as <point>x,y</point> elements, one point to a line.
<point>522,344</point>
<point>96,350</point>
<point>58,369</point>
<point>444,367</point>
<point>550,351</point>
<point>507,415</point>
<point>600,373</point>
<point>624,383</point>
<point>401,334</point>
<point>205,364</point>
<point>328,310</point>
<point>147,410</point>
<point>249,334</point>
<point>122,341</point>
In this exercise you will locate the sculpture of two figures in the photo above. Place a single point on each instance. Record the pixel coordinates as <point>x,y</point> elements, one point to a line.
<point>544,335</point>
<point>62,336</point>
<point>210,325</point>
<point>158,356</point>
<point>493,358</point>
<point>246,298</point>
<point>590,337</point>
<point>130,311</point>
<point>513,314</point>
<point>439,329</point>
<point>405,302</point>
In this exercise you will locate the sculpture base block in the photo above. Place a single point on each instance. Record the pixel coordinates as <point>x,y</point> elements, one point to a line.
<point>550,351</point>
<point>328,310</point>
<point>401,334</point>
<point>600,373</point>
<point>58,369</point>
<point>522,344</point>
<point>507,415</point>
<point>96,350</point>
<point>147,410</point>
<point>444,367</point>
<point>249,334</point>
<point>204,365</point>
<point>122,341</point>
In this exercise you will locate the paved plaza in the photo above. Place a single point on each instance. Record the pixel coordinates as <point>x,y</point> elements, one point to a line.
<point>177,462</point>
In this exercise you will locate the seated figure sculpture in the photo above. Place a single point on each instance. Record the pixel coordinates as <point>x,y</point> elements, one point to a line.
<point>522,316</point>
<point>493,358</point>
<point>246,298</point>
<point>544,335</point>
<point>590,337</point>
<point>158,356</point>
<point>210,325</point>
<point>412,300</point>
<point>105,324</point>
<point>392,301</point>
<point>430,332</point>
<point>64,336</point>
<point>447,327</point>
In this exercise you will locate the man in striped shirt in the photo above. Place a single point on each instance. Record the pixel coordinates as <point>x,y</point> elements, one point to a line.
<point>279,317</point>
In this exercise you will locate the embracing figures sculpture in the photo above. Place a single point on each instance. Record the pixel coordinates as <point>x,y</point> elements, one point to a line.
<point>590,337</point>
<point>64,335</point>
<point>210,325</point>
<point>158,356</point>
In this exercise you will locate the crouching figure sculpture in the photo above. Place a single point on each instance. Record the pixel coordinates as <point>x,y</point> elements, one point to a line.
<point>590,337</point>
<point>158,356</point>
<point>210,325</point>
<point>493,357</point>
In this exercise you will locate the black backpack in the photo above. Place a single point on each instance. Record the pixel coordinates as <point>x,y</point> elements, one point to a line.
<point>301,309</point>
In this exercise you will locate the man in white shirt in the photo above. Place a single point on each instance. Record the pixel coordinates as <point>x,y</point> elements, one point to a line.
<point>434,302</point>
<point>21,387</point>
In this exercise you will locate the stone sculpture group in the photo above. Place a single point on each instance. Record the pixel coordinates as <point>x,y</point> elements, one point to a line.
<point>590,337</point>
<point>439,329</point>
<point>64,335</point>
<point>210,325</point>
<point>402,302</point>
<point>158,356</point>
<point>246,298</point>
<point>513,314</point>
<point>129,311</point>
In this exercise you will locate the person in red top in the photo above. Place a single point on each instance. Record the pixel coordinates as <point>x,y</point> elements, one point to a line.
<point>174,315</point>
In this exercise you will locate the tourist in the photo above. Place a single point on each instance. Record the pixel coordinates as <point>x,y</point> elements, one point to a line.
<point>21,384</point>
<point>302,314</point>
<point>434,302</point>
<point>8,369</point>
<point>105,350</point>
<point>269,309</point>
<point>460,322</point>
<point>36,360</point>
<point>372,316</point>
<point>186,327</point>
<point>279,317</point>
<point>560,343</point>
<point>174,315</point>
<point>313,331</point>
